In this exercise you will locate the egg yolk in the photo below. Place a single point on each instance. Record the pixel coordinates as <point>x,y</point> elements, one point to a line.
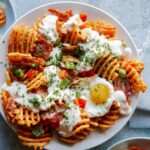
<point>99,93</point>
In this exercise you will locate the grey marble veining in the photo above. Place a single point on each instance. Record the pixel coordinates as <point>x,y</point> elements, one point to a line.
<point>133,14</point>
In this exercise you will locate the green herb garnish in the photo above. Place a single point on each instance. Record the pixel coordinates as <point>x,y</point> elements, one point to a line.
<point>122,73</point>
<point>34,101</point>
<point>70,65</point>
<point>59,56</point>
<point>64,83</point>
<point>19,73</point>
<point>78,94</point>
<point>37,131</point>
<point>60,45</point>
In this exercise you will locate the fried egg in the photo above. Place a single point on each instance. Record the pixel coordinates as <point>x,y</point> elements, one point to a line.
<point>99,95</point>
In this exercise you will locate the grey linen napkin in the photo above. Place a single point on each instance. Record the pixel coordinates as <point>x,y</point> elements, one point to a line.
<point>141,117</point>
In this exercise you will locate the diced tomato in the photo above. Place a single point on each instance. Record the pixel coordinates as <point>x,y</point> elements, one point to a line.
<point>40,68</point>
<point>80,102</point>
<point>31,73</point>
<point>83,26</point>
<point>86,73</point>
<point>63,74</point>
<point>83,17</point>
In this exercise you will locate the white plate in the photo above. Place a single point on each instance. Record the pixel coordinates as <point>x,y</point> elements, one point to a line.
<point>143,142</point>
<point>29,18</point>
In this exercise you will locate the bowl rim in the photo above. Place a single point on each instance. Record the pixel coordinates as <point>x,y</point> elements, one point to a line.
<point>128,139</point>
<point>98,9</point>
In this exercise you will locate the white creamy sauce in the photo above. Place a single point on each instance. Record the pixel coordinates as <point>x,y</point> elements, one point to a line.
<point>72,117</point>
<point>54,52</point>
<point>118,49</point>
<point>19,93</point>
<point>48,28</point>
<point>125,108</point>
<point>95,46</point>
<point>74,20</point>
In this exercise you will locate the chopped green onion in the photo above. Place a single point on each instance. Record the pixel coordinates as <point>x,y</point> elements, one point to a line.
<point>122,73</point>
<point>60,45</point>
<point>19,73</point>
<point>65,116</point>
<point>59,56</point>
<point>34,101</point>
<point>37,131</point>
<point>64,83</point>
<point>70,65</point>
<point>78,94</point>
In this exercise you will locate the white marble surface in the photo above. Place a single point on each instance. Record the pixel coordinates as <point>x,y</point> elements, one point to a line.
<point>134,15</point>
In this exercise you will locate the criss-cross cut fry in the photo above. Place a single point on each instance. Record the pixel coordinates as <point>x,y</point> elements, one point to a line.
<point>26,138</point>
<point>18,114</point>
<point>136,82</point>
<point>8,75</point>
<point>107,66</point>
<point>62,15</point>
<point>102,27</point>
<point>35,82</point>
<point>137,64</point>
<point>22,39</point>
<point>81,130</point>
<point>2,17</point>
<point>25,59</point>
<point>73,37</point>
<point>110,118</point>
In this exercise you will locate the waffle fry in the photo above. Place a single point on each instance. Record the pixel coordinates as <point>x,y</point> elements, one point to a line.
<point>8,75</point>
<point>81,130</point>
<point>18,114</point>
<point>27,139</point>
<point>72,37</point>
<point>102,27</point>
<point>22,39</point>
<point>110,118</point>
<point>137,64</point>
<point>136,82</point>
<point>107,67</point>
<point>2,17</point>
<point>35,82</point>
<point>62,15</point>
<point>25,59</point>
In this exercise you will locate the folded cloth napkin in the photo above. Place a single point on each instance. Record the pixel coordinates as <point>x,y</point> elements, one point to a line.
<point>144,102</point>
<point>141,117</point>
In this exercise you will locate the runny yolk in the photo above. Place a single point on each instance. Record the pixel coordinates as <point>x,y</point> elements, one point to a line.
<point>99,93</point>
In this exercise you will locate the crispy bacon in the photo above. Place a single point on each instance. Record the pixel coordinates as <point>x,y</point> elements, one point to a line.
<point>53,121</point>
<point>62,15</point>
<point>119,84</point>
<point>42,48</point>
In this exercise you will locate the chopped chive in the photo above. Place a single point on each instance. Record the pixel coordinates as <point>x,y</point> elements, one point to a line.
<point>64,83</point>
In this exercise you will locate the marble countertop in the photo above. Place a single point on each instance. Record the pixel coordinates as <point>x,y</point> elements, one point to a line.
<point>134,15</point>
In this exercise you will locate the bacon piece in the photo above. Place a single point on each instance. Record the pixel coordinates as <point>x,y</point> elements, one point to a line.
<point>53,121</point>
<point>124,86</point>
<point>62,15</point>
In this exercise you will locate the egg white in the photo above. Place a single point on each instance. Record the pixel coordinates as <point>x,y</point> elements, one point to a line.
<point>95,110</point>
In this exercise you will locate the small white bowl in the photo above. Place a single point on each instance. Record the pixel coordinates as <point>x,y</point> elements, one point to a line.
<point>142,142</point>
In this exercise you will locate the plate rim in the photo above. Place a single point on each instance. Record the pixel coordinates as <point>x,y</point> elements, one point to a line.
<point>98,9</point>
